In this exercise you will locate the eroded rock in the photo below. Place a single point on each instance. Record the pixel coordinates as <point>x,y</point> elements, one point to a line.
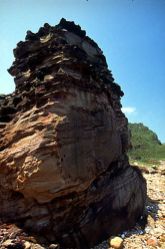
<point>64,172</point>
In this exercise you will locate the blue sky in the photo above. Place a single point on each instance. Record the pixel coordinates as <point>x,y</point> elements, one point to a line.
<point>131,34</point>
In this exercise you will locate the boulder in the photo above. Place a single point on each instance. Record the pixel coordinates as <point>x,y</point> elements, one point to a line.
<point>64,172</point>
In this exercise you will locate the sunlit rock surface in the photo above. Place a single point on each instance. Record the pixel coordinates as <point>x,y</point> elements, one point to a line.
<point>64,172</point>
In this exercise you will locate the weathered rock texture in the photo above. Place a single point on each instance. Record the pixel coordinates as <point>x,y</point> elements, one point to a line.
<point>63,140</point>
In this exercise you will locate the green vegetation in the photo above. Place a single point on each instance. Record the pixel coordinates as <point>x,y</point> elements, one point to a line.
<point>146,147</point>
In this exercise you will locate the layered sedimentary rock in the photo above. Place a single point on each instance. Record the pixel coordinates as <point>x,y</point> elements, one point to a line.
<point>63,140</point>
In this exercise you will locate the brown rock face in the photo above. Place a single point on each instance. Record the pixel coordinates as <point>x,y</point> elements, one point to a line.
<point>63,139</point>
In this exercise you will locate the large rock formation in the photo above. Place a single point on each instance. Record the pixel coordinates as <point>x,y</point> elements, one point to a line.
<point>63,139</point>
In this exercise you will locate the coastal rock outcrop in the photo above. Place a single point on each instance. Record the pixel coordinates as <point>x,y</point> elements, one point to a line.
<point>64,172</point>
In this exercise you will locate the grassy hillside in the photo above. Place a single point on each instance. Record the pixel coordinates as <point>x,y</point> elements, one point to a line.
<point>146,146</point>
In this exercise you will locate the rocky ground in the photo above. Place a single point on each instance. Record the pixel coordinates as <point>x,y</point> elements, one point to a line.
<point>152,235</point>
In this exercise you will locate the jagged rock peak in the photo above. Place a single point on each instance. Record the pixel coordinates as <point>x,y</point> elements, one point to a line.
<point>61,49</point>
<point>63,24</point>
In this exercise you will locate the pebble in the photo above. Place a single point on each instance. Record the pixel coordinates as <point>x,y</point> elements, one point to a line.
<point>152,242</point>
<point>37,246</point>
<point>116,242</point>
<point>27,245</point>
<point>54,246</point>
<point>7,243</point>
<point>162,238</point>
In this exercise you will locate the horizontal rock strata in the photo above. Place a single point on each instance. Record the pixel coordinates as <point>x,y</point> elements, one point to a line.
<point>64,172</point>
